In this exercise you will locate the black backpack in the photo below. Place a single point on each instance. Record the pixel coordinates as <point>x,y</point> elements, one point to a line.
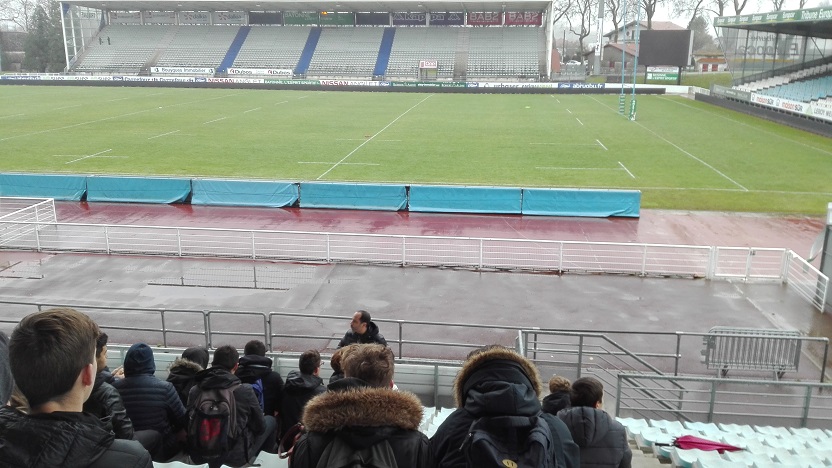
<point>509,442</point>
<point>212,424</point>
<point>339,454</point>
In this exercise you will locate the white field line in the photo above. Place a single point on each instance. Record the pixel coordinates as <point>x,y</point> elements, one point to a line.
<point>10,116</point>
<point>164,134</point>
<point>118,99</point>
<point>579,121</point>
<point>553,168</point>
<point>602,145</point>
<point>68,107</point>
<point>372,137</point>
<point>343,164</point>
<point>567,110</point>
<point>80,124</point>
<point>90,156</point>
<point>358,139</point>
<point>252,110</point>
<point>215,120</point>
<point>565,144</point>
<point>625,168</point>
<point>743,188</point>
<point>281,102</point>
<point>747,125</point>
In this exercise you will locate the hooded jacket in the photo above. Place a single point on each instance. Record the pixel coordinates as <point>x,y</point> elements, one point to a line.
<point>362,416</point>
<point>181,375</point>
<point>253,367</point>
<point>603,440</point>
<point>299,389</point>
<point>105,404</point>
<point>249,416</point>
<point>554,402</point>
<point>496,382</point>
<point>66,440</point>
<point>151,403</point>
<point>372,336</point>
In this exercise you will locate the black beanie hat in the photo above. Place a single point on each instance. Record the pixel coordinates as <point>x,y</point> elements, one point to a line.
<point>197,354</point>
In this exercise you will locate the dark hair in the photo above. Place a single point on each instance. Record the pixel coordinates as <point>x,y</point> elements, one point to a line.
<point>100,343</point>
<point>225,357</point>
<point>365,316</point>
<point>255,347</point>
<point>372,363</point>
<point>587,391</point>
<point>48,350</point>
<point>485,348</point>
<point>309,361</point>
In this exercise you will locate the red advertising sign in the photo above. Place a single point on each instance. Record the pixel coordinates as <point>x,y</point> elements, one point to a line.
<point>524,18</point>
<point>485,18</point>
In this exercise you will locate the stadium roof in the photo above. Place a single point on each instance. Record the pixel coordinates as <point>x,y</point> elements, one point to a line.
<point>323,5</point>
<point>810,22</point>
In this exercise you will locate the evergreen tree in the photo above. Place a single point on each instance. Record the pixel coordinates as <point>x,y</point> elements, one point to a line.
<point>44,45</point>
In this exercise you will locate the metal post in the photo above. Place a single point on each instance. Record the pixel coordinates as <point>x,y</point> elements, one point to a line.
<point>751,253</point>
<point>560,258</point>
<point>618,396</point>
<point>712,403</point>
<point>206,319</point>
<point>480,266</point>
<point>580,354</point>
<point>823,365</point>
<point>107,238</point>
<point>37,236</point>
<point>179,242</point>
<point>436,385</point>
<point>164,329</point>
<point>807,401</point>
<point>401,323</point>
<point>644,261</point>
<point>404,251</point>
<point>253,248</point>
<point>678,354</point>
<point>328,256</point>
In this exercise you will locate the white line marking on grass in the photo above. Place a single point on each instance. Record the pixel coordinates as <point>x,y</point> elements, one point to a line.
<point>343,164</point>
<point>579,121</point>
<point>154,94</point>
<point>117,99</point>
<point>565,144</point>
<point>68,107</point>
<point>567,110</point>
<point>281,102</point>
<point>602,145</point>
<point>625,168</point>
<point>552,168</point>
<point>252,110</point>
<point>744,189</point>
<point>359,139</point>
<point>90,156</point>
<point>371,138</point>
<point>164,134</point>
<point>215,120</point>
<point>10,116</point>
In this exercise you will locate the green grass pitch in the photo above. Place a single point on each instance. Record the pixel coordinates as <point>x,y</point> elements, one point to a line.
<point>680,153</point>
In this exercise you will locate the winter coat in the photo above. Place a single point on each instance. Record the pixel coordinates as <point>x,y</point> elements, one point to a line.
<point>299,389</point>
<point>362,416</point>
<point>602,439</point>
<point>151,403</point>
<point>496,382</point>
<point>249,415</point>
<point>66,440</point>
<point>372,336</point>
<point>253,367</point>
<point>181,375</point>
<point>105,404</point>
<point>554,402</point>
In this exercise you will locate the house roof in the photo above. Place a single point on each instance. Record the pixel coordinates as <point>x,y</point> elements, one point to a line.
<point>657,26</point>
<point>629,49</point>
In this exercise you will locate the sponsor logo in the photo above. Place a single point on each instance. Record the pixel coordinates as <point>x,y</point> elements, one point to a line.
<point>428,63</point>
<point>581,85</point>
<point>348,83</point>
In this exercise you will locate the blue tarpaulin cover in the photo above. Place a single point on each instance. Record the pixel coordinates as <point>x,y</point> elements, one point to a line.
<point>57,186</point>
<point>244,193</point>
<point>577,202</point>
<point>137,189</point>
<point>450,199</point>
<point>353,196</point>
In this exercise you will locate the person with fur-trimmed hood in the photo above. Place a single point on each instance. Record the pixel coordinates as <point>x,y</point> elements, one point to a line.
<point>182,371</point>
<point>362,410</point>
<point>496,381</point>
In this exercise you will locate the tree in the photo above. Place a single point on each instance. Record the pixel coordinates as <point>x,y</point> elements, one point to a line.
<point>717,7</point>
<point>580,21</point>
<point>778,4</point>
<point>614,11</point>
<point>702,38</point>
<point>740,5</point>
<point>44,45</point>
<point>20,12</point>
<point>689,8</point>
<point>650,7</point>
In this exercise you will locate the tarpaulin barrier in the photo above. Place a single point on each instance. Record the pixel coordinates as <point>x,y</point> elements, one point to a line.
<point>59,187</point>
<point>137,189</point>
<point>577,202</point>
<point>353,196</point>
<point>243,193</point>
<point>449,199</point>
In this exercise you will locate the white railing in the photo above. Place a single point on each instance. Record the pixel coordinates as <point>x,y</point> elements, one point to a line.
<point>806,280</point>
<point>21,216</point>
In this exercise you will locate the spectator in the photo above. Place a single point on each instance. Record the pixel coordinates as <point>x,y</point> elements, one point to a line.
<point>301,386</point>
<point>255,431</point>
<point>362,331</point>
<point>6,380</point>
<point>52,355</point>
<point>602,439</point>
<point>496,381</point>
<point>104,401</point>
<point>151,404</point>
<point>335,363</point>
<point>560,395</point>
<point>254,365</point>
<point>182,371</point>
<point>362,411</point>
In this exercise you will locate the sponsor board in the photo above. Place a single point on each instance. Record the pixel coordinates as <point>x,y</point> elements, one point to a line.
<point>348,83</point>
<point>160,79</point>
<point>194,17</point>
<point>236,80</point>
<point>260,71</point>
<point>485,84</point>
<point>428,64</point>
<point>293,82</point>
<point>229,17</point>
<point>424,84</point>
<point>791,106</point>
<point>182,70</point>
<point>581,85</point>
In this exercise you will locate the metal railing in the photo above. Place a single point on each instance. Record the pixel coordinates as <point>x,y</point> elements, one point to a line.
<point>801,404</point>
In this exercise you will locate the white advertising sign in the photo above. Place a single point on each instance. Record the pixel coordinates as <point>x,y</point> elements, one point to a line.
<point>260,71</point>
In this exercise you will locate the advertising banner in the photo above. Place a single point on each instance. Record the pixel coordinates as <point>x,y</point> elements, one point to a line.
<point>229,17</point>
<point>293,82</point>
<point>300,18</point>
<point>261,17</point>
<point>182,70</point>
<point>235,80</point>
<point>194,17</point>
<point>125,17</point>
<point>486,84</point>
<point>807,14</point>
<point>330,18</point>
<point>425,84</point>
<point>260,71</point>
<point>428,64</point>
<point>447,19</point>
<point>409,19</point>
<point>524,18</point>
<point>162,79</point>
<point>159,17</point>
<point>372,19</point>
<point>581,85</point>
<point>662,74</point>
<point>803,108</point>
<point>485,18</point>
<point>348,83</point>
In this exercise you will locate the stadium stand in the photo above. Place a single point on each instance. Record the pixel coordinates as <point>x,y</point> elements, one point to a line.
<point>197,46</point>
<point>346,52</point>
<point>504,52</point>
<point>273,47</point>
<point>122,48</point>
<point>414,44</point>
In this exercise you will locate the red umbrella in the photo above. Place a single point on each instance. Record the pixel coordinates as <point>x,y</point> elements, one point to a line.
<point>692,442</point>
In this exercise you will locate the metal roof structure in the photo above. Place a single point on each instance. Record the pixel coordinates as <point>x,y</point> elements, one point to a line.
<point>810,22</point>
<point>413,6</point>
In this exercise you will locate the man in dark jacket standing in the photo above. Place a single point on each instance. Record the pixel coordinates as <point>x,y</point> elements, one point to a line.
<point>56,433</point>
<point>362,411</point>
<point>256,432</point>
<point>362,331</point>
<point>254,365</point>
<point>151,403</point>
<point>602,439</point>
<point>301,386</point>
<point>496,381</point>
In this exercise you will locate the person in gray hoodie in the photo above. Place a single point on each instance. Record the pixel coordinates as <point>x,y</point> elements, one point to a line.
<point>301,386</point>
<point>602,439</point>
